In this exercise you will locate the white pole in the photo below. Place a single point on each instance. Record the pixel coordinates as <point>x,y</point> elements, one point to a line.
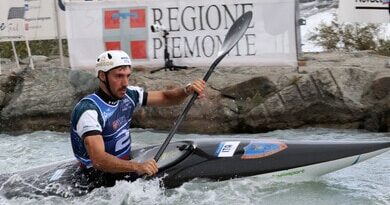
<point>15,54</point>
<point>29,55</point>
<point>298,30</point>
<point>58,23</point>
<point>298,34</point>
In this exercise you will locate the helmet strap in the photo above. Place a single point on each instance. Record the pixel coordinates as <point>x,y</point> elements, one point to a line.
<point>107,83</point>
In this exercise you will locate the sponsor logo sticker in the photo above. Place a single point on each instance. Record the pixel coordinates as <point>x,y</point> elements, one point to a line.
<point>118,123</point>
<point>260,149</point>
<point>226,149</point>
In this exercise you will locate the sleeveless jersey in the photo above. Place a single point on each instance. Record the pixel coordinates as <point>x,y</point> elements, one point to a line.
<point>112,121</point>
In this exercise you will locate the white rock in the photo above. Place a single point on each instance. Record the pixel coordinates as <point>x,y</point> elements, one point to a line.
<point>387,64</point>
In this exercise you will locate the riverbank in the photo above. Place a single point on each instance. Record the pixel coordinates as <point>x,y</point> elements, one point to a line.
<point>334,89</point>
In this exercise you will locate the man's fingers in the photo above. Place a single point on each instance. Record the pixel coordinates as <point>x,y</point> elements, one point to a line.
<point>199,86</point>
<point>155,167</point>
<point>150,167</point>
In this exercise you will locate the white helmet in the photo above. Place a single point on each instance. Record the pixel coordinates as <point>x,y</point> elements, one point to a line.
<point>111,59</point>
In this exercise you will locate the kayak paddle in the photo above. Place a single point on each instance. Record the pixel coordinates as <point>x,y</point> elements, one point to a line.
<point>236,31</point>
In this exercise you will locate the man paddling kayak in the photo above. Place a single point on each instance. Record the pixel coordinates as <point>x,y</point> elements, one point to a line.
<point>100,122</point>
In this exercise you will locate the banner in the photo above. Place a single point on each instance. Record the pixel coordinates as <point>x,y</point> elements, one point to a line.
<point>41,20</point>
<point>11,19</point>
<point>195,31</point>
<point>364,11</point>
<point>31,19</point>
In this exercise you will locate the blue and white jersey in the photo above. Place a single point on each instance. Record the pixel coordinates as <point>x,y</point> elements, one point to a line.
<point>94,115</point>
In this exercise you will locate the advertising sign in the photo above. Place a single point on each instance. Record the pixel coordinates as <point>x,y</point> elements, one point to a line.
<point>364,11</point>
<point>11,19</point>
<point>193,31</point>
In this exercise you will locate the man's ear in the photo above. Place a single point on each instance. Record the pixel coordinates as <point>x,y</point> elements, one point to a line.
<point>102,76</point>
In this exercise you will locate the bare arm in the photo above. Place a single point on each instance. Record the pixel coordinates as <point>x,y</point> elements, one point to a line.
<point>175,96</point>
<point>106,162</point>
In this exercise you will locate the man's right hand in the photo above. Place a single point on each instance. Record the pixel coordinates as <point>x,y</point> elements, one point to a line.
<point>149,168</point>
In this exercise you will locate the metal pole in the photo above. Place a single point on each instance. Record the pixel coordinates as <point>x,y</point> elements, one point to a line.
<point>29,54</point>
<point>298,35</point>
<point>298,30</point>
<point>59,34</point>
<point>15,54</point>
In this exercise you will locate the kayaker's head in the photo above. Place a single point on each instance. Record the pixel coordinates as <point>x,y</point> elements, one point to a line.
<point>113,68</point>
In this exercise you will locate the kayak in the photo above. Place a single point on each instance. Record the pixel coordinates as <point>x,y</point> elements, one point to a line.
<point>213,159</point>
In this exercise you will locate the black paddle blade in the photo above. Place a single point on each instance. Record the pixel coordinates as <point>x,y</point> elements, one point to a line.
<point>236,32</point>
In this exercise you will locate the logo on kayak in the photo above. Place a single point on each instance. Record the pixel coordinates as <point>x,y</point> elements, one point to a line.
<point>226,149</point>
<point>260,149</point>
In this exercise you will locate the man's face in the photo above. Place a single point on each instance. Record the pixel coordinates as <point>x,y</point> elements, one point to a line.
<point>119,80</point>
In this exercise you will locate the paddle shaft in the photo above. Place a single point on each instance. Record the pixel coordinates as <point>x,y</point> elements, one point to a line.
<point>181,117</point>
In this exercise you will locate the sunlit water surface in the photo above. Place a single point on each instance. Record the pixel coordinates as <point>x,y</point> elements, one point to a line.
<point>365,183</point>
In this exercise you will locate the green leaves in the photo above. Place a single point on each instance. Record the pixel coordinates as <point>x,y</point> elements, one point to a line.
<point>326,36</point>
<point>41,47</point>
<point>350,37</point>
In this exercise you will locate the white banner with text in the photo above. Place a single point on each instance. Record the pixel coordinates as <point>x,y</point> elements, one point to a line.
<point>31,19</point>
<point>11,20</point>
<point>41,19</point>
<point>194,31</point>
<point>364,11</point>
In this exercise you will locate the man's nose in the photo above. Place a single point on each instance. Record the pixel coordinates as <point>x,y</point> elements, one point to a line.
<point>125,82</point>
